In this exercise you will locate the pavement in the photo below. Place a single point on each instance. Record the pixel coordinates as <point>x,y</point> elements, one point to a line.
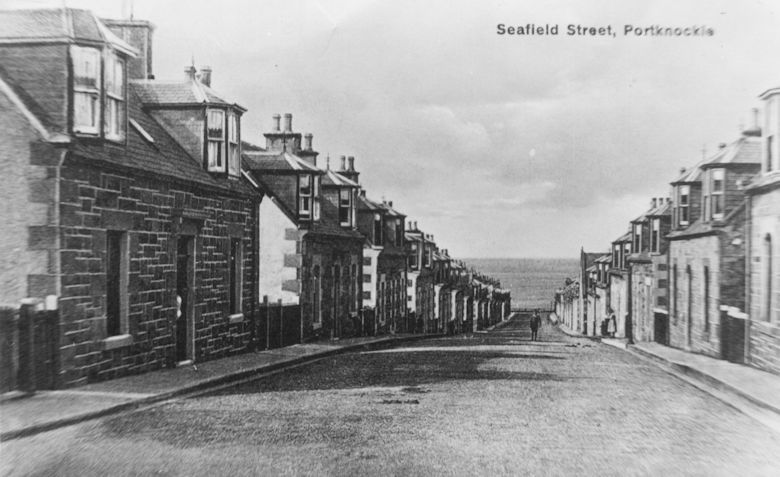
<point>22,416</point>
<point>755,392</point>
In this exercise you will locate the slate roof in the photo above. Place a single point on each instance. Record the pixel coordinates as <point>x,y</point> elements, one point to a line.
<point>702,227</point>
<point>690,175</point>
<point>664,209</point>
<point>623,238</point>
<point>745,150</point>
<point>162,157</point>
<point>606,258</point>
<point>61,24</point>
<point>591,257</point>
<point>183,93</point>
<point>335,179</point>
<point>364,203</point>
<point>261,160</point>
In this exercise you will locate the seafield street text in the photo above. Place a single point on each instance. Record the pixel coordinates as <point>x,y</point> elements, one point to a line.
<point>532,29</point>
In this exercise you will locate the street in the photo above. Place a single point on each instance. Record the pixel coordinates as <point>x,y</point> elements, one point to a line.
<point>490,403</point>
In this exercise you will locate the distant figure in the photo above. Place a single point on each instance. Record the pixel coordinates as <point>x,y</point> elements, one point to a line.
<point>536,322</point>
<point>611,324</point>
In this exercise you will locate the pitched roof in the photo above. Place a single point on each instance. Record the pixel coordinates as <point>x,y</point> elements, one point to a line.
<point>689,175</point>
<point>261,160</point>
<point>745,150</point>
<point>185,92</point>
<point>664,209</point>
<point>337,180</point>
<point>606,258</point>
<point>165,156</point>
<point>626,237</point>
<point>365,203</point>
<point>60,24</point>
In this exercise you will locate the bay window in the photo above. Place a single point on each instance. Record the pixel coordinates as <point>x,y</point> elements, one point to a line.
<point>234,157</point>
<point>683,208</point>
<point>86,89</point>
<point>215,136</point>
<point>345,207</point>
<point>315,180</point>
<point>656,237</point>
<point>637,237</point>
<point>716,189</point>
<point>115,97</point>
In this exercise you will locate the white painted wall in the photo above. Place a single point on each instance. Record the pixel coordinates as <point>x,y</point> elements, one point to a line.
<point>273,247</point>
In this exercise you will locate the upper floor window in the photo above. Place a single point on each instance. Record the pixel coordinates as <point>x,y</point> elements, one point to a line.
<point>625,254</point>
<point>684,198</point>
<point>305,195</point>
<point>716,190</point>
<point>413,256</point>
<point>377,229</point>
<point>86,89</point>
<point>655,245</point>
<point>345,207</point>
<point>215,135</point>
<point>315,199</point>
<point>769,146</point>
<point>234,156</point>
<point>115,97</point>
<point>616,255</point>
<point>399,233</point>
<point>637,237</point>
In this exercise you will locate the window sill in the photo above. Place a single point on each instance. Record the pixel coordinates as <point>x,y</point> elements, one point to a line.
<point>118,341</point>
<point>236,318</point>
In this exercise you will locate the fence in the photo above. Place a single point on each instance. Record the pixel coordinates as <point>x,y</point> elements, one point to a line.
<point>29,354</point>
<point>277,324</point>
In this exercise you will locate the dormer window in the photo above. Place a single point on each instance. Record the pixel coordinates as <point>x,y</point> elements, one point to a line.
<point>315,180</point>
<point>234,156</point>
<point>637,237</point>
<point>215,135</point>
<point>656,237</point>
<point>86,90</point>
<point>345,207</point>
<point>377,229</point>
<point>305,195</point>
<point>684,204</point>
<point>115,98</point>
<point>399,233</point>
<point>716,189</point>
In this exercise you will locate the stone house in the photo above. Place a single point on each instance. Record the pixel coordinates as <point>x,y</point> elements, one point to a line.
<point>419,281</point>
<point>707,256</point>
<point>587,298</point>
<point>763,245</point>
<point>618,295</point>
<point>136,228</point>
<point>310,249</point>
<point>649,272</point>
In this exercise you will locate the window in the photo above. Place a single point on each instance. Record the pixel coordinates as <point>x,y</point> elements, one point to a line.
<point>115,98</point>
<point>399,233</point>
<point>116,283</point>
<point>662,283</point>
<point>684,199</point>
<point>367,295</point>
<point>706,307</point>
<point>315,181</point>
<point>304,194</point>
<point>655,245</point>
<point>345,207</point>
<point>769,145</point>
<point>766,304</point>
<point>637,237</point>
<point>413,256</point>
<point>616,256</point>
<point>377,229</point>
<point>367,261</point>
<point>234,155</point>
<point>367,278</point>
<point>409,282</point>
<point>86,89</point>
<point>216,140</point>
<point>234,284</point>
<point>716,189</point>
<point>625,254</point>
<point>317,291</point>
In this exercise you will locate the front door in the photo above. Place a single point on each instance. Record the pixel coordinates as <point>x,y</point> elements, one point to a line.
<point>184,286</point>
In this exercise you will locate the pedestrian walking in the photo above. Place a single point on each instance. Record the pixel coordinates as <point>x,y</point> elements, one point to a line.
<point>536,322</point>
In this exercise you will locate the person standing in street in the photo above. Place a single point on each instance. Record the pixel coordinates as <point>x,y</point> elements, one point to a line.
<point>536,321</point>
<point>611,324</point>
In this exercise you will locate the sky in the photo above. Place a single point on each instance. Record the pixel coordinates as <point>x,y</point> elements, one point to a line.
<point>499,145</point>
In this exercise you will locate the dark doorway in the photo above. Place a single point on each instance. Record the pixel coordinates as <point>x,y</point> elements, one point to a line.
<point>185,268</point>
<point>661,328</point>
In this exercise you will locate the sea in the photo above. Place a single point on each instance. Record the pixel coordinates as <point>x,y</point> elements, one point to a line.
<point>532,281</point>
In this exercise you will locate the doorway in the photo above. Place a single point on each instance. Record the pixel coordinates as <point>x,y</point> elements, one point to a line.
<point>185,268</point>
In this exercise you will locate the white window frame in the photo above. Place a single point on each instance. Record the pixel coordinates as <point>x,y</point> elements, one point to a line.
<point>718,195</point>
<point>218,163</point>
<point>234,144</point>
<point>655,246</point>
<point>684,191</point>
<point>305,195</point>
<point>116,97</point>
<point>637,237</point>
<point>345,204</point>
<point>315,199</point>
<point>84,68</point>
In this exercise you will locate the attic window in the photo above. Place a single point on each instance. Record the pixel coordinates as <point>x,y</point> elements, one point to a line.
<point>685,194</point>
<point>717,193</point>
<point>304,195</point>
<point>115,97</point>
<point>345,207</point>
<point>148,137</point>
<point>215,135</point>
<point>234,157</point>
<point>86,89</point>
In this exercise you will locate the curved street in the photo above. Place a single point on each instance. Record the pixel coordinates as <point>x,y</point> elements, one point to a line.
<point>490,403</point>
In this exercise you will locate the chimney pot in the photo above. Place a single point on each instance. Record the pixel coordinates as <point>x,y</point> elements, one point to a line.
<point>654,203</point>
<point>277,120</point>
<point>390,203</point>
<point>287,122</point>
<point>343,163</point>
<point>205,75</point>
<point>351,163</point>
<point>722,145</point>
<point>308,137</point>
<point>682,170</point>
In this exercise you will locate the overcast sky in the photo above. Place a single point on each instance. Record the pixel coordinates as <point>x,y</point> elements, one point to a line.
<point>501,146</point>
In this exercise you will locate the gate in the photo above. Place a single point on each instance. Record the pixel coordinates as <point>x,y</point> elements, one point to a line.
<point>278,325</point>
<point>29,341</point>
<point>732,337</point>
<point>661,328</point>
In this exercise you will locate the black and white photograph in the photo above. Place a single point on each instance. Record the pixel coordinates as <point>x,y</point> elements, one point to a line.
<point>402,238</point>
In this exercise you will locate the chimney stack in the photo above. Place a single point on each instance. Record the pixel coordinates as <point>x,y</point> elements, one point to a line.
<point>755,129</point>
<point>308,138</point>
<point>351,160</point>
<point>277,119</point>
<point>682,170</point>
<point>189,73</point>
<point>390,203</point>
<point>327,163</point>
<point>205,76</point>
<point>343,163</point>
<point>139,34</point>
<point>287,122</point>
<point>653,206</point>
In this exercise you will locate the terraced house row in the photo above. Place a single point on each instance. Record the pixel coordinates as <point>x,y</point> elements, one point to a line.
<point>699,270</point>
<point>142,230</point>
